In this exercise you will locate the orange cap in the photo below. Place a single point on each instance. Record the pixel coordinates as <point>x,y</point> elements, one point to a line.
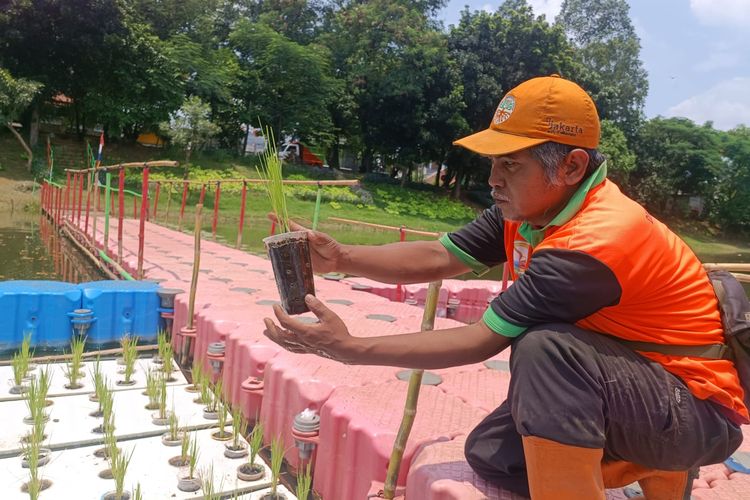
<point>539,110</point>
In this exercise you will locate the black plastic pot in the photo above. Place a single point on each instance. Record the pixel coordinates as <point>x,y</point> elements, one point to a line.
<point>292,268</point>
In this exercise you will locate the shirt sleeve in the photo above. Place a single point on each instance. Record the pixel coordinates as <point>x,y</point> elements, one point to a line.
<point>560,286</point>
<point>479,244</point>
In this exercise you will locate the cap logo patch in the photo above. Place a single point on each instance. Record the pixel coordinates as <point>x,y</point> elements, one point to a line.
<point>504,109</point>
<point>559,127</point>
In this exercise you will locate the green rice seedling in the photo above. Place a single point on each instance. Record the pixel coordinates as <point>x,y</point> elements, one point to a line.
<point>34,485</point>
<point>168,361</point>
<point>196,374</point>
<point>256,442</point>
<point>193,455</point>
<point>277,457</point>
<point>19,364</point>
<point>222,413</point>
<point>173,425</point>
<point>270,171</point>
<point>137,495</point>
<point>216,397</point>
<point>96,373</point>
<point>73,369</point>
<point>304,483</point>
<point>153,387</point>
<point>106,403</point>
<point>162,397</point>
<point>118,464</point>
<point>161,343</point>
<point>26,352</point>
<point>45,382</point>
<point>239,424</point>
<point>185,445</point>
<point>129,355</point>
<point>207,394</point>
<point>209,487</point>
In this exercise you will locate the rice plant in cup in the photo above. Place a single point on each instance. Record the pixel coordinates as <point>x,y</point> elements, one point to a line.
<point>173,436</point>
<point>118,465</point>
<point>161,416</point>
<point>35,484</point>
<point>270,171</point>
<point>206,393</point>
<point>237,448</point>
<point>161,343</point>
<point>211,411</point>
<point>137,494</point>
<point>153,386</point>
<point>26,352</point>
<point>96,378</point>
<point>36,400</point>
<point>222,412</point>
<point>183,458</point>
<point>209,487</point>
<point>251,471</point>
<point>73,368</point>
<point>129,356</point>
<point>196,373</point>
<point>168,363</point>
<point>188,480</point>
<point>18,364</point>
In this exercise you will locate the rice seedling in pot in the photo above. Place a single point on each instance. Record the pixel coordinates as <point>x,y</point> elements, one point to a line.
<point>188,481</point>
<point>96,378</point>
<point>173,436</point>
<point>304,483</point>
<point>118,464</point>
<point>152,389</point>
<point>222,412</point>
<point>237,448</point>
<point>161,416</point>
<point>129,357</point>
<point>277,457</point>
<point>73,368</point>
<point>196,373</point>
<point>251,471</point>
<point>18,364</point>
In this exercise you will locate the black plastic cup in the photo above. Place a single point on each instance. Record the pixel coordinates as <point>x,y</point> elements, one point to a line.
<point>292,268</point>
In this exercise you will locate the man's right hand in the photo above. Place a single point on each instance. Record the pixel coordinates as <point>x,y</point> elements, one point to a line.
<point>326,253</point>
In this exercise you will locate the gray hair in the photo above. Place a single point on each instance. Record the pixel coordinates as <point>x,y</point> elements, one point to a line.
<point>551,155</point>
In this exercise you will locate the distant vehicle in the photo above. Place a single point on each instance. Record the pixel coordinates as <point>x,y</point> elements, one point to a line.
<point>296,152</point>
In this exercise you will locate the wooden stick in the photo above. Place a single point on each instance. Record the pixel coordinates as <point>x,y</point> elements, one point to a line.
<point>381,226</point>
<point>147,164</point>
<point>412,397</point>
<point>261,181</point>
<point>186,341</point>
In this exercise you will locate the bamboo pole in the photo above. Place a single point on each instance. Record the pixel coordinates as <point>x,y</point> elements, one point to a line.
<point>186,341</point>
<point>412,397</point>
<point>261,181</point>
<point>728,266</point>
<point>382,226</point>
<point>148,164</point>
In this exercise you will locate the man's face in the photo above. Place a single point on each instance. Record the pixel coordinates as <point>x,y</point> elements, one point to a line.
<point>521,190</point>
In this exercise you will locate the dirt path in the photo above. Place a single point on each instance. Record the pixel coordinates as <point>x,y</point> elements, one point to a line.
<point>17,195</point>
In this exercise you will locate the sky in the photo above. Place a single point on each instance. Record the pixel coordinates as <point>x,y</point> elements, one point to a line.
<point>696,53</point>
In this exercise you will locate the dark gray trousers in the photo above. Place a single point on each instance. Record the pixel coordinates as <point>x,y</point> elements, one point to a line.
<point>584,389</point>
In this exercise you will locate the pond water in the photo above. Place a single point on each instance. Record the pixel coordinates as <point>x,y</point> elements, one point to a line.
<point>31,250</point>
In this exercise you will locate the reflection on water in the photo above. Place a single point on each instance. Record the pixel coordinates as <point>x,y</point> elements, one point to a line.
<point>30,249</point>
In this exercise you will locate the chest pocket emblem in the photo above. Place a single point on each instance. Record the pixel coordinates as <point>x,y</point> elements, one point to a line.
<point>521,256</point>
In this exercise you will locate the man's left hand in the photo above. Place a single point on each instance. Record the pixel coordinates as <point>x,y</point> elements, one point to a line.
<point>329,338</point>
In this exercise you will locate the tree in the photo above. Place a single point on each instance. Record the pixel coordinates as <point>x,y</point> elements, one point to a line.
<point>675,157</point>
<point>191,127</point>
<point>731,207</point>
<point>620,158</point>
<point>393,60</point>
<point>285,84</point>
<point>609,48</point>
<point>15,97</point>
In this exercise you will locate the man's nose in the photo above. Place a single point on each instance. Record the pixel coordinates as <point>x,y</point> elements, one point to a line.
<point>496,178</point>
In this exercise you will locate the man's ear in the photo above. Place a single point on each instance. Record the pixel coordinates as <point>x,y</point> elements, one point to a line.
<point>575,165</point>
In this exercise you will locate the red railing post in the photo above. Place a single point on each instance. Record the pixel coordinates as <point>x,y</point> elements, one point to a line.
<point>73,192</point>
<point>142,228</point>
<point>121,211</point>
<point>203,194</point>
<point>58,206</point>
<point>80,197</point>
<point>67,193</point>
<point>88,203</point>
<point>273,228</point>
<point>242,214</point>
<point>135,207</point>
<point>182,205</point>
<point>156,200</point>
<point>216,209</point>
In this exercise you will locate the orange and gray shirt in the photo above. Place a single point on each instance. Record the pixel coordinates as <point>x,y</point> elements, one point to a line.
<point>606,265</point>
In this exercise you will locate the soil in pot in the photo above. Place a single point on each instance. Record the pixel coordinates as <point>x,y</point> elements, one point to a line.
<point>210,415</point>
<point>247,472</point>
<point>123,382</point>
<point>231,452</point>
<point>152,406</point>
<point>44,454</point>
<point>102,452</point>
<point>221,436</point>
<point>45,483</point>
<point>166,441</point>
<point>111,495</point>
<point>93,398</point>
<point>179,461</point>
<point>96,413</point>
<point>273,496</point>
<point>25,439</point>
<point>29,420</point>
<point>158,420</point>
<point>292,268</point>
<point>188,484</point>
<point>73,387</point>
<point>106,474</point>
<point>192,388</point>
<point>19,389</point>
